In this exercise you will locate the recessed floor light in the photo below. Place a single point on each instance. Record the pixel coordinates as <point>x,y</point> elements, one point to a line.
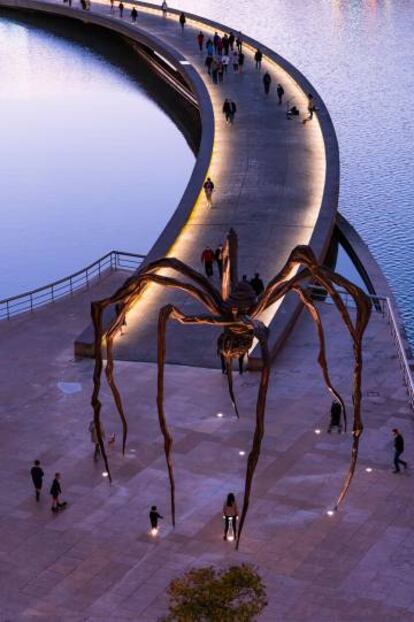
<point>242,453</point>
<point>330,512</point>
<point>368,470</point>
<point>220,415</point>
<point>317,431</point>
<point>105,474</point>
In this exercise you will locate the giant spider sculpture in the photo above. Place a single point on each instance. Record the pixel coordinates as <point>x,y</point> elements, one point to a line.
<point>236,310</point>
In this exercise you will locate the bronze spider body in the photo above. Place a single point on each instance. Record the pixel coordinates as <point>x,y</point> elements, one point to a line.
<point>236,309</point>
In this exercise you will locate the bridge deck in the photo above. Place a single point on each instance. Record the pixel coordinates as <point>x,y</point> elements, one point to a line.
<point>270,179</point>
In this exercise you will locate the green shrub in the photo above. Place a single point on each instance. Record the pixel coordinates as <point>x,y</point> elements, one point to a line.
<point>212,595</point>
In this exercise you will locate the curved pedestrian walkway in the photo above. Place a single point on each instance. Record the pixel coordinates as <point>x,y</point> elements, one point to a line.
<point>275,184</point>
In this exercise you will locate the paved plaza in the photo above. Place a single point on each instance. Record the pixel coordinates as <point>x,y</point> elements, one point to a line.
<point>96,561</point>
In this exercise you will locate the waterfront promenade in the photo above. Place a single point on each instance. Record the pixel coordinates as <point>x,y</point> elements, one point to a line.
<point>274,181</point>
<point>96,562</point>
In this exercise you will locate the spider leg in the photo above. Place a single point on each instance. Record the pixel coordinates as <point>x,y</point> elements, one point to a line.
<point>96,312</point>
<point>315,315</point>
<point>163,318</point>
<point>229,372</point>
<point>129,291</point>
<point>109,372</point>
<point>166,313</point>
<point>261,334</point>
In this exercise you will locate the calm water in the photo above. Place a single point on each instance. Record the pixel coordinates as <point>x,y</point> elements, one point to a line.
<point>359,54</point>
<point>82,149</point>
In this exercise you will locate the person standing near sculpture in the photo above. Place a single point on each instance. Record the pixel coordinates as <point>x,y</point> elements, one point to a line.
<point>257,284</point>
<point>258,59</point>
<point>218,254</point>
<point>164,9</point>
<point>230,515</point>
<point>95,439</point>
<point>398,450</point>
<point>207,258</point>
<point>37,478</point>
<point>182,20</point>
<point>336,412</point>
<point>200,40</point>
<point>134,15</point>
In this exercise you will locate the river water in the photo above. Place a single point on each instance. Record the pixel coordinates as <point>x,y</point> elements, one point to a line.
<point>359,54</point>
<point>88,161</point>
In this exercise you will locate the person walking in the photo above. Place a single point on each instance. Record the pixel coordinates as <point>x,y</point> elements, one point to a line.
<point>241,61</point>
<point>210,47</point>
<point>154,516</point>
<point>209,63</point>
<point>257,284</point>
<point>134,14</point>
<point>230,515</point>
<point>95,440</point>
<point>239,42</point>
<point>336,412</point>
<point>226,44</point>
<point>280,92</point>
<point>112,3</point>
<point>207,257</point>
<point>37,478</point>
<point>231,41</point>
<point>398,450</point>
<point>218,255</point>
<point>258,59</point>
<point>235,60</point>
<point>214,70</point>
<point>220,70</point>
<point>208,190</point>
<point>216,40</point>
<point>311,108</point>
<point>200,40</point>
<point>229,110</point>
<point>182,20</point>
<point>56,491</point>
<point>267,80</point>
<point>225,60</point>
<point>121,9</point>
<point>164,9</point>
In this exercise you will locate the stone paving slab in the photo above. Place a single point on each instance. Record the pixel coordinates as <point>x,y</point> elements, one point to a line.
<point>96,561</point>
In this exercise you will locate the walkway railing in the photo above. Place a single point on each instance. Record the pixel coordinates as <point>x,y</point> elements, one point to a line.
<point>29,301</point>
<point>383,305</point>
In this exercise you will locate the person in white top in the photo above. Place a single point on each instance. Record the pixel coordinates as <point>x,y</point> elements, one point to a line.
<point>230,515</point>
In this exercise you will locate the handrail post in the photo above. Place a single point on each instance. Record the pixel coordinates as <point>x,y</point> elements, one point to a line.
<point>53,293</point>
<point>31,302</point>
<point>87,278</point>
<point>71,286</point>
<point>7,310</point>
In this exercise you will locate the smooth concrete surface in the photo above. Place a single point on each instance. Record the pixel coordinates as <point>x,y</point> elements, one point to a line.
<point>276,180</point>
<point>96,561</point>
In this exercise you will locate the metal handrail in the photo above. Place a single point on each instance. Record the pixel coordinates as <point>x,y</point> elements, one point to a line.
<point>31,300</point>
<point>383,305</point>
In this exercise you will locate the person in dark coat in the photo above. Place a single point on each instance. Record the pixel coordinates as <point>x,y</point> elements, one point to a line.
<point>218,254</point>
<point>280,92</point>
<point>398,450</point>
<point>207,258</point>
<point>257,284</point>
<point>267,80</point>
<point>241,61</point>
<point>37,478</point>
<point>121,9</point>
<point>154,516</point>
<point>258,59</point>
<point>200,40</point>
<point>231,41</point>
<point>336,412</point>
<point>134,14</point>
<point>56,491</point>
<point>182,20</point>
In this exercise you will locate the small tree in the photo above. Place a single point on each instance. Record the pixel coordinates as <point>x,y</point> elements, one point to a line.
<point>212,595</point>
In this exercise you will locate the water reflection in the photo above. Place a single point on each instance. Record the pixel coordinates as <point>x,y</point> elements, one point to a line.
<point>88,162</point>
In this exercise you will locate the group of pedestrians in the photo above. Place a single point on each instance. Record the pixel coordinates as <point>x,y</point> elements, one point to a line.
<point>221,53</point>
<point>210,257</point>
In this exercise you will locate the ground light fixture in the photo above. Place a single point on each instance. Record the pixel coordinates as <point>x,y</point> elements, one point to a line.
<point>369,469</point>
<point>105,474</point>
<point>317,431</point>
<point>154,531</point>
<point>242,453</point>
<point>220,415</point>
<point>330,513</point>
